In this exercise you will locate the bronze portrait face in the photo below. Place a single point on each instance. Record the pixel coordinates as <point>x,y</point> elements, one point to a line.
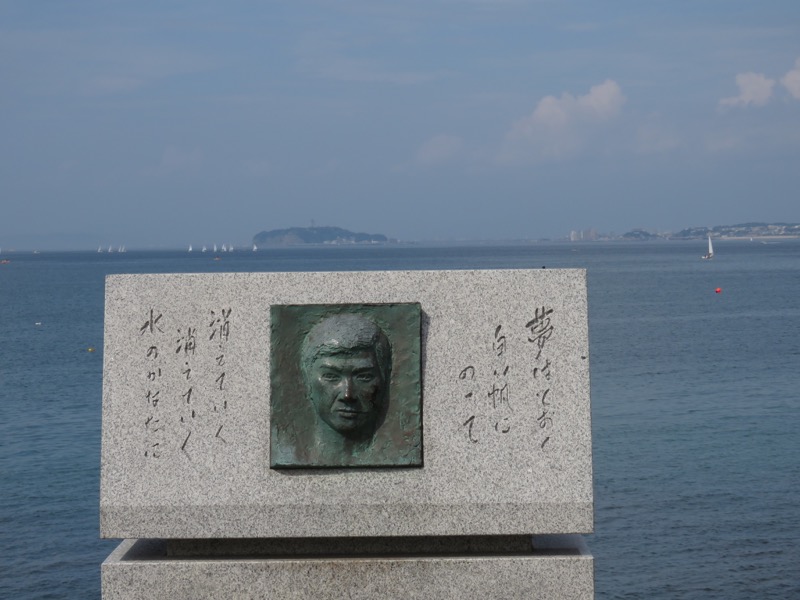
<point>347,392</point>
<point>354,408</point>
<point>345,378</point>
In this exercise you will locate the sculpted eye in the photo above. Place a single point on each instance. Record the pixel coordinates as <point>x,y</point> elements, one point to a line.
<point>365,377</point>
<point>330,377</point>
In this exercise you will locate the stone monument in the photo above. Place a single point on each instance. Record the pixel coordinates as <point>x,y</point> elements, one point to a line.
<point>402,434</point>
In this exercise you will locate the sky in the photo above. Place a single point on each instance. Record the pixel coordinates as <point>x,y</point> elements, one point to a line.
<point>167,123</point>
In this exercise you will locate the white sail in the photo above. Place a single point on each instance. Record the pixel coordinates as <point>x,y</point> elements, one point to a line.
<point>710,254</point>
<point>190,247</point>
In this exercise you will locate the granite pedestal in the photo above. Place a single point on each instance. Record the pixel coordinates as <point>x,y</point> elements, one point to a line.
<point>556,568</point>
<point>506,442</point>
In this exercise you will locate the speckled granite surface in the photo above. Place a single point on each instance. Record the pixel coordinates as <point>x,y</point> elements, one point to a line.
<point>505,404</point>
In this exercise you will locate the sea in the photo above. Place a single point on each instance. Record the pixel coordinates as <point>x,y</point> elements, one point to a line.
<point>695,376</point>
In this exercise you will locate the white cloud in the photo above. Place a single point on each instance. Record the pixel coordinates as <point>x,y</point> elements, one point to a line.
<point>562,126</point>
<point>603,102</point>
<point>754,88</point>
<point>439,149</point>
<point>791,81</point>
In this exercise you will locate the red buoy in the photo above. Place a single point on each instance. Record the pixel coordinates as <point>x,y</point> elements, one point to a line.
<point>718,290</point>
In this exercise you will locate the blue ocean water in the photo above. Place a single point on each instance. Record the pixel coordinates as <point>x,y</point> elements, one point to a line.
<point>695,394</point>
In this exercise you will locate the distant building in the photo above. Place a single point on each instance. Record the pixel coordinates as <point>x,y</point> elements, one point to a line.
<point>584,235</point>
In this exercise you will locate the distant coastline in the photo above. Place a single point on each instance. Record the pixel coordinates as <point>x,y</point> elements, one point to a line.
<point>761,231</point>
<point>338,236</point>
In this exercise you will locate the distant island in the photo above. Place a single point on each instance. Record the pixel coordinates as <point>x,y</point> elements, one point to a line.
<point>742,230</point>
<point>316,235</point>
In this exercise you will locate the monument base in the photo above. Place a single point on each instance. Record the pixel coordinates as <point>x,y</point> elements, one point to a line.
<point>549,567</point>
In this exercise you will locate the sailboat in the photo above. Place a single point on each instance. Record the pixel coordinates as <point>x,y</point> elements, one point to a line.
<point>190,247</point>
<point>710,254</point>
<point>255,247</point>
<point>204,249</point>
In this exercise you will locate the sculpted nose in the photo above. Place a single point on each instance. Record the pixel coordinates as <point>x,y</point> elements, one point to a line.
<point>347,392</point>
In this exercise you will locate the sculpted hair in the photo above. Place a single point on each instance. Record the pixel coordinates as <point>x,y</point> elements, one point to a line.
<point>346,334</point>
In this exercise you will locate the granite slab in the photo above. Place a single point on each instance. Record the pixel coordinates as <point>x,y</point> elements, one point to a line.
<point>506,431</point>
<point>140,570</point>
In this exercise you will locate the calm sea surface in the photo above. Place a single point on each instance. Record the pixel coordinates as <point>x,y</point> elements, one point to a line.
<point>695,395</point>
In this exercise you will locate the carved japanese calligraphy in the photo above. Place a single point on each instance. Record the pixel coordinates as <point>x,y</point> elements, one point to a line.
<point>496,413</point>
<point>183,418</point>
<point>541,329</point>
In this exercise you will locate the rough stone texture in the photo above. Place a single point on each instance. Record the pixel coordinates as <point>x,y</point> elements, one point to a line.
<point>506,443</point>
<point>140,571</point>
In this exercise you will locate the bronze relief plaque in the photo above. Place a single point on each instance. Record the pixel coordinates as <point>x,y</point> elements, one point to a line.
<point>346,388</point>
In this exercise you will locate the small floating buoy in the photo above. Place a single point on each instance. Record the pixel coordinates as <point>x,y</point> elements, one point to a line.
<point>90,349</point>
<point>718,291</point>
<point>38,323</point>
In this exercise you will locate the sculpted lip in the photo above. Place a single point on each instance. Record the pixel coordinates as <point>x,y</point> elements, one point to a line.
<point>348,413</point>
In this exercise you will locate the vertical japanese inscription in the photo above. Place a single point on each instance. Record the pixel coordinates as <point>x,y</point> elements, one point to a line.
<point>469,389</point>
<point>220,333</point>
<point>540,330</point>
<point>186,346</point>
<point>486,395</point>
<point>488,406</point>
<point>184,387</point>
<point>154,337</point>
<point>499,393</point>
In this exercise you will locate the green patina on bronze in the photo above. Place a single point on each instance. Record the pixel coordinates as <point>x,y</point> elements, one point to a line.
<point>345,385</point>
